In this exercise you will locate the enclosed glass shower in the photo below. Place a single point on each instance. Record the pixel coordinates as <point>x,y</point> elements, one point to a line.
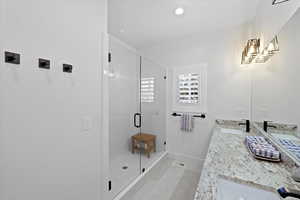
<point>137,110</point>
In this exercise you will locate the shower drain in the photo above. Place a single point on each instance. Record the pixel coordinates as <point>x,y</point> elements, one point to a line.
<point>178,164</point>
<point>125,167</point>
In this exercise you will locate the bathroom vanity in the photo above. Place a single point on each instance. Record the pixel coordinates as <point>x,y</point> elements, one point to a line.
<point>229,161</point>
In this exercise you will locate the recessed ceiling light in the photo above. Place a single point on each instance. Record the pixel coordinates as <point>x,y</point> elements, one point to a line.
<point>179,11</point>
<point>122,31</point>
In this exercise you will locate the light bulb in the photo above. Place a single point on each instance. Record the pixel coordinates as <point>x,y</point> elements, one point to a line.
<point>271,47</point>
<point>179,11</point>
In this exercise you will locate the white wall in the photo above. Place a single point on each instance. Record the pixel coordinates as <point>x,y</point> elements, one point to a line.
<point>271,18</point>
<point>228,84</point>
<point>45,153</point>
<point>276,83</point>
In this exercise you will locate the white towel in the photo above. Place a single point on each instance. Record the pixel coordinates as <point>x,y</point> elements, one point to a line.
<point>261,147</point>
<point>187,122</point>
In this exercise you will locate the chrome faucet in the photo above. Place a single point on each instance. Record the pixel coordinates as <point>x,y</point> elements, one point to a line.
<point>285,193</point>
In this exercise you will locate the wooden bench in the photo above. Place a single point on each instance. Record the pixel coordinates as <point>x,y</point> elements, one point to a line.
<point>143,142</point>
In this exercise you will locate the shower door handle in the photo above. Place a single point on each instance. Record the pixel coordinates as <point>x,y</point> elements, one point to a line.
<point>139,120</point>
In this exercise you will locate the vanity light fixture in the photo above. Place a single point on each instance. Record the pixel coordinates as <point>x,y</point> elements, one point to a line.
<point>273,46</point>
<point>271,49</point>
<point>278,1</point>
<point>251,50</point>
<point>253,54</point>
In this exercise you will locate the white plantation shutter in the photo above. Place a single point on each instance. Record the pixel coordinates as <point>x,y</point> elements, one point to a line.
<point>147,90</point>
<point>188,88</point>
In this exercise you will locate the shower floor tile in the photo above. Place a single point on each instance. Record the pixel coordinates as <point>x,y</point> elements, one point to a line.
<point>126,167</point>
<point>168,181</point>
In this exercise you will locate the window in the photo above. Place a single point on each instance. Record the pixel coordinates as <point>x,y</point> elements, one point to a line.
<point>147,90</point>
<point>188,88</point>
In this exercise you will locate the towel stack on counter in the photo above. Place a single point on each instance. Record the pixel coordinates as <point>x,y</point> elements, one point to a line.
<point>261,148</point>
<point>291,146</point>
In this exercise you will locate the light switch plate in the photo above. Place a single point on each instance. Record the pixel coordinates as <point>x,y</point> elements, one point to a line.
<point>86,123</point>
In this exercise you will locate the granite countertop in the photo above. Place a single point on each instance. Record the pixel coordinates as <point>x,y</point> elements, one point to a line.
<point>228,158</point>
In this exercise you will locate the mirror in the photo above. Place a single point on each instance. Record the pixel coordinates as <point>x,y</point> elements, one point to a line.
<point>276,90</point>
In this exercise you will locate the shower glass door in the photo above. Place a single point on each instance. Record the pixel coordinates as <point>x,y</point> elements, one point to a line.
<point>137,115</point>
<point>153,110</point>
<point>124,111</point>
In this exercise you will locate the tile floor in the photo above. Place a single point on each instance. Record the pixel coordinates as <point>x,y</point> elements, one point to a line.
<point>169,180</point>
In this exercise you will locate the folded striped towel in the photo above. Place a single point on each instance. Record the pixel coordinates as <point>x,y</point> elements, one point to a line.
<point>187,122</point>
<point>259,146</point>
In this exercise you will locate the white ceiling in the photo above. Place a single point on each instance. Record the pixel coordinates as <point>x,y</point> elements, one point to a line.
<point>143,23</point>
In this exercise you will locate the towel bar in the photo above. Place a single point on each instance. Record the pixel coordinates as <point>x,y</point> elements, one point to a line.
<point>203,116</point>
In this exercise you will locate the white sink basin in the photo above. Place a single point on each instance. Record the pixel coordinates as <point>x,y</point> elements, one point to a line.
<point>229,190</point>
<point>231,131</point>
